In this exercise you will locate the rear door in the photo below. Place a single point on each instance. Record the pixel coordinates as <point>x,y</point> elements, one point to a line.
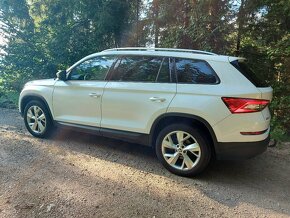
<point>139,90</point>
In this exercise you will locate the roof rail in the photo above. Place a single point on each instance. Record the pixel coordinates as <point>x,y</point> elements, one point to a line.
<point>161,49</point>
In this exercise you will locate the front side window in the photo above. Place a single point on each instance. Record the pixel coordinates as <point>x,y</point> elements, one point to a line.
<point>141,69</point>
<point>194,71</point>
<point>93,69</point>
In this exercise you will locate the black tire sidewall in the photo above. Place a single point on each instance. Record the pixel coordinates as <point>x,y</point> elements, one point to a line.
<point>200,138</point>
<point>47,130</point>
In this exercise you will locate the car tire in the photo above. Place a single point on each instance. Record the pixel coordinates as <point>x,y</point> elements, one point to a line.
<point>183,149</point>
<point>37,119</point>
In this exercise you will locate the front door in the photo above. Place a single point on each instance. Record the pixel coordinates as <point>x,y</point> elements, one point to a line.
<point>78,100</point>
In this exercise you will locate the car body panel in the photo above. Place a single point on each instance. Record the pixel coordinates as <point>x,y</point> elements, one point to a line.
<point>127,105</point>
<point>42,88</point>
<point>73,102</point>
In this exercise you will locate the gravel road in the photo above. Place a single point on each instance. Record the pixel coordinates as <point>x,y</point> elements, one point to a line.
<point>81,175</point>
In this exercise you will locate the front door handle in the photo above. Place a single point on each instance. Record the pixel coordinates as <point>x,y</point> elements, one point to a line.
<point>157,99</point>
<point>94,95</point>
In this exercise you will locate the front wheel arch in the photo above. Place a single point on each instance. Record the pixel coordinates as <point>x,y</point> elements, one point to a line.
<point>26,99</point>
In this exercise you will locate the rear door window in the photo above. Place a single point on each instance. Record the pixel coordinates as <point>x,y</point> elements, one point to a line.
<point>164,72</point>
<point>141,69</point>
<point>195,72</point>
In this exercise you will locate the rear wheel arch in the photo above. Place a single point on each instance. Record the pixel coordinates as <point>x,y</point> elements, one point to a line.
<point>192,120</point>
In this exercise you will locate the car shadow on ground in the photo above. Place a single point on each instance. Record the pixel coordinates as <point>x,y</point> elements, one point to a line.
<point>263,181</point>
<point>238,182</point>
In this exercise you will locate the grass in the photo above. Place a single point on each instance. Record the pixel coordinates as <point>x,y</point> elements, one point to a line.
<point>280,135</point>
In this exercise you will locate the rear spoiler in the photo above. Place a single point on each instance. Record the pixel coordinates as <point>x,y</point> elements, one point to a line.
<point>236,58</point>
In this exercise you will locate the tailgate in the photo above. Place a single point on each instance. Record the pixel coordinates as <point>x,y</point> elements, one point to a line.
<point>266,93</point>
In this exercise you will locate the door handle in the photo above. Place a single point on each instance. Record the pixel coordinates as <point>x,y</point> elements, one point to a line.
<point>157,99</point>
<point>94,95</point>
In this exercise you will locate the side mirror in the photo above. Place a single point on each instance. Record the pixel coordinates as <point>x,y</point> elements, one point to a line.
<point>61,75</point>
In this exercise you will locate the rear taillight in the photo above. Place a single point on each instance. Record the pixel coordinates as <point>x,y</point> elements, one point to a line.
<point>245,105</point>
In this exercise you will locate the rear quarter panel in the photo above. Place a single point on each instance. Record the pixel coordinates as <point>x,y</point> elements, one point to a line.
<point>205,101</point>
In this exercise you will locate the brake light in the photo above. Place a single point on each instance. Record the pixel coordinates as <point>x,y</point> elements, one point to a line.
<point>244,105</point>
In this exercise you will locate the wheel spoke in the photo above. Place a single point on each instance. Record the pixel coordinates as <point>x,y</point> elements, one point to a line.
<point>195,154</point>
<point>185,138</point>
<point>179,136</point>
<point>169,143</point>
<point>40,126</point>
<point>182,164</point>
<point>192,147</point>
<point>36,110</point>
<point>42,117</point>
<point>34,126</point>
<point>172,160</point>
<point>168,155</point>
<point>30,115</point>
<point>188,161</point>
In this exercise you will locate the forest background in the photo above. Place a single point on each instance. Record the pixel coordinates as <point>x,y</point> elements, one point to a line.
<point>39,37</point>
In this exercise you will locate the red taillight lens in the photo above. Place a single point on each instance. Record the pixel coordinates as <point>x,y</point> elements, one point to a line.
<point>245,105</point>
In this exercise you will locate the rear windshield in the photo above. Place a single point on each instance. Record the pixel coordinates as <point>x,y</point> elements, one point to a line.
<point>254,78</point>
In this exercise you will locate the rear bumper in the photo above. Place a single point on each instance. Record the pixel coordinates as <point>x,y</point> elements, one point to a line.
<point>240,150</point>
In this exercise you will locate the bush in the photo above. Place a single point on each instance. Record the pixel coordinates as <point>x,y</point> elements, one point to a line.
<point>9,99</point>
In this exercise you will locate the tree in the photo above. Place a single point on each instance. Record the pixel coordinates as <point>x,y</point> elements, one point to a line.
<point>46,35</point>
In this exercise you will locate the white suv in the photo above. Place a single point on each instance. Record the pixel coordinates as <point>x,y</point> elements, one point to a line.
<point>189,105</point>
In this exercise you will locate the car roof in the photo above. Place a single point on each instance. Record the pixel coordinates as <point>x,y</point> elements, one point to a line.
<point>169,52</point>
<point>163,52</point>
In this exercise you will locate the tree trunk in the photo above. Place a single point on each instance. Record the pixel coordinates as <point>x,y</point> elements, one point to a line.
<point>137,22</point>
<point>156,22</point>
<point>240,21</point>
<point>186,41</point>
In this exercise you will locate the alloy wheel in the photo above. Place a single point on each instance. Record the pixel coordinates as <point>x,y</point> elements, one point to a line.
<point>36,119</point>
<point>181,150</point>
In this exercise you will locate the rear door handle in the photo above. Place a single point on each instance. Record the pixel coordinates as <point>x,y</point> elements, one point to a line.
<point>157,99</point>
<point>94,95</point>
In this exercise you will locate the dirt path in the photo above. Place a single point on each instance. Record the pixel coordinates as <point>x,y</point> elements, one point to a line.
<point>80,175</point>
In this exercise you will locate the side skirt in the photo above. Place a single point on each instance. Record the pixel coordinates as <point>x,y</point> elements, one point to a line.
<point>133,137</point>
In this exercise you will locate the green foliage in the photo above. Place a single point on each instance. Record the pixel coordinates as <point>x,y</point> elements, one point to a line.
<point>9,99</point>
<point>45,36</point>
<point>49,35</point>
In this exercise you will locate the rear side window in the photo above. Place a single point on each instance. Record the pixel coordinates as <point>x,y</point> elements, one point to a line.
<point>195,72</point>
<point>141,69</point>
<point>242,66</point>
